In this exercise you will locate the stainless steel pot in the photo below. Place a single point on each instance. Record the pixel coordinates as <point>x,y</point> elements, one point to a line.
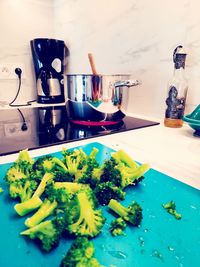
<point>98,98</point>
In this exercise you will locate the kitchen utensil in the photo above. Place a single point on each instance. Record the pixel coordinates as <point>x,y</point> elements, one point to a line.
<point>160,241</point>
<point>98,97</point>
<point>92,65</point>
<point>193,120</point>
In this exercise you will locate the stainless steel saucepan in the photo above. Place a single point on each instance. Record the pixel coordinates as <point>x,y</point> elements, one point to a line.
<point>98,98</point>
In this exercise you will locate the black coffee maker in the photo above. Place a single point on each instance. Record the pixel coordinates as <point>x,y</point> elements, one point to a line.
<point>49,57</point>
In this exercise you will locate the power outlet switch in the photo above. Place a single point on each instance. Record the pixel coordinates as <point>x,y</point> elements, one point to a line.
<point>7,71</point>
<point>15,129</point>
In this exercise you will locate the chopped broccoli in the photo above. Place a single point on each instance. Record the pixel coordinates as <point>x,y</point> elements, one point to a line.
<point>20,169</point>
<point>18,177</point>
<point>81,254</point>
<point>24,157</point>
<point>22,189</point>
<point>106,191</point>
<point>122,156</point>
<point>131,214</point>
<point>117,226</point>
<point>171,208</point>
<point>74,160</point>
<point>28,206</point>
<point>47,178</point>
<point>53,165</point>
<point>71,187</point>
<point>1,190</point>
<point>89,221</point>
<point>43,212</point>
<point>85,174</point>
<point>121,170</point>
<point>14,173</point>
<point>48,233</point>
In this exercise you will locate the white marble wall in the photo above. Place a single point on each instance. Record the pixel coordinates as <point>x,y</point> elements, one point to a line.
<point>22,21</point>
<point>134,36</point>
<point>125,36</point>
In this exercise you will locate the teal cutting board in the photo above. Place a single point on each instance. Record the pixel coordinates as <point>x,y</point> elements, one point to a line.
<point>160,241</point>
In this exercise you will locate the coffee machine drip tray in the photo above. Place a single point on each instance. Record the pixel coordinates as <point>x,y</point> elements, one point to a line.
<point>49,125</point>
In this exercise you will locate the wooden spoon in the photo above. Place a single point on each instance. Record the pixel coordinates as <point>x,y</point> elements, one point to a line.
<point>91,60</point>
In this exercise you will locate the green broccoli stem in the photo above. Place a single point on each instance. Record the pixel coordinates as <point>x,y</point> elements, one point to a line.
<point>36,228</point>
<point>28,206</point>
<point>60,163</point>
<point>44,211</point>
<point>121,155</point>
<point>41,187</point>
<point>24,156</point>
<point>70,186</point>
<point>133,175</point>
<point>94,152</point>
<point>118,208</point>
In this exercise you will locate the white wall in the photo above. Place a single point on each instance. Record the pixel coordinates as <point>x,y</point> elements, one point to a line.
<point>137,37</point>
<point>125,36</point>
<point>22,21</point>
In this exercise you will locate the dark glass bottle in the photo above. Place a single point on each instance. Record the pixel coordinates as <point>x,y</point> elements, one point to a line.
<point>177,91</point>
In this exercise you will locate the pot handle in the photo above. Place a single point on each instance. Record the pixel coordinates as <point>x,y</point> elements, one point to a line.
<point>127,83</point>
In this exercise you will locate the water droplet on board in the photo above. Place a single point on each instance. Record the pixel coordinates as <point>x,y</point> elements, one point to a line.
<point>157,254</point>
<point>193,207</point>
<point>170,248</point>
<point>141,239</point>
<point>146,230</point>
<point>118,254</point>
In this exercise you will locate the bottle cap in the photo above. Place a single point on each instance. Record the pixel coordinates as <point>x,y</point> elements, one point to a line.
<point>179,57</point>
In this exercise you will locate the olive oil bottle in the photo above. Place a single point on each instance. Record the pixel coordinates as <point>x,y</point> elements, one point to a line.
<point>177,91</point>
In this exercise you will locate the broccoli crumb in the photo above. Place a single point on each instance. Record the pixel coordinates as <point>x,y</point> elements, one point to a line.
<point>118,226</point>
<point>171,208</point>
<point>1,190</point>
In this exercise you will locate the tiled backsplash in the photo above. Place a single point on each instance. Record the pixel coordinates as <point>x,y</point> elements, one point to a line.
<point>130,36</point>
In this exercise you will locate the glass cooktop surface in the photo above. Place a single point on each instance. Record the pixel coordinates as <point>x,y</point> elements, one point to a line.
<point>44,126</point>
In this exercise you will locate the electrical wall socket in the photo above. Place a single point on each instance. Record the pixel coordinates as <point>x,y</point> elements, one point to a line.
<point>15,129</point>
<point>7,71</point>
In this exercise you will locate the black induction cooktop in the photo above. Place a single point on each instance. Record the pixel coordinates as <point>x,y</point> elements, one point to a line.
<point>44,126</point>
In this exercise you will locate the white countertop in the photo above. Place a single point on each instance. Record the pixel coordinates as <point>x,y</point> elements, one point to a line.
<point>175,152</point>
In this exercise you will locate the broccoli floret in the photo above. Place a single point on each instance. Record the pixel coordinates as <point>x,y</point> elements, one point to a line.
<point>24,157</point>
<point>81,254</point>
<point>74,160</point>
<point>20,169</point>
<point>48,233</point>
<point>117,226</point>
<point>22,189</point>
<point>14,173</point>
<point>47,178</point>
<point>50,164</point>
<point>106,191</point>
<point>121,170</point>
<point>122,156</point>
<point>71,187</point>
<point>171,208</point>
<point>131,214</point>
<point>18,177</point>
<point>28,206</point>
<point>43,212</point>
<point>131,176</point>
<point>85,174</point>
<point>89,220</point>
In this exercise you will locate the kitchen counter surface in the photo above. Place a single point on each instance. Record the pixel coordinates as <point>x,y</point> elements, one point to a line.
<point>174,152</point>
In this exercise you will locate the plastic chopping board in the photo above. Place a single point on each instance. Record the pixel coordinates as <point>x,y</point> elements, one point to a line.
<point>160,241</point>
